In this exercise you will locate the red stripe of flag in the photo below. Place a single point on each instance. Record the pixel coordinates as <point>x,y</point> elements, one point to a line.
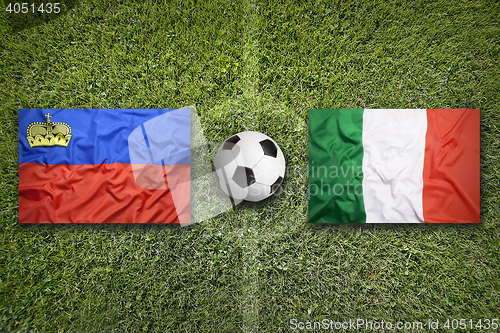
<point>451,166</point>
<point>96,193</point>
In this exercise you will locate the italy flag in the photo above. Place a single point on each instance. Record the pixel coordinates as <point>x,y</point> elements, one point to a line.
<point>394,166</point>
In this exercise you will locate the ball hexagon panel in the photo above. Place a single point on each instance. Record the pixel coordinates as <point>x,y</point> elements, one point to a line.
<point>224,157</point>
<point>228,185</point>
<point>250,152</point>
<point>268,170</point>
<point>243,176</point>
<point>281,160</point>
<point>257,192</point>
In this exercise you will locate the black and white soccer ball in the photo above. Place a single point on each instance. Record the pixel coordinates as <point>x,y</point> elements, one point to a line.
<point>250,166</point>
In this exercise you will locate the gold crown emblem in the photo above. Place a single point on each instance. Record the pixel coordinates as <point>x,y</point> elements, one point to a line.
<point>48,134</point>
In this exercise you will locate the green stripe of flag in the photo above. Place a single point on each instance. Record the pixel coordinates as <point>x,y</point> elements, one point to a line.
<point>335,166</point>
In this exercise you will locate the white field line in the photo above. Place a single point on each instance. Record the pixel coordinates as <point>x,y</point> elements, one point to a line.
<point>249,235</point>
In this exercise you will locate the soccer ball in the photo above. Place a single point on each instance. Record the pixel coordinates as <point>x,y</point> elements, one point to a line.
<point>250,166</point>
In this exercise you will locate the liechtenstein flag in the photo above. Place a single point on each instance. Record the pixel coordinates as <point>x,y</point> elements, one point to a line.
<point>104,166</point>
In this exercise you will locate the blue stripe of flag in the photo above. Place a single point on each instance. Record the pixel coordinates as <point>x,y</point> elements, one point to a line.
<point>104,136</point>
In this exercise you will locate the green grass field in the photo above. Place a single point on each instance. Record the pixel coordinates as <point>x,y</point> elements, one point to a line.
<point>249,65</point>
